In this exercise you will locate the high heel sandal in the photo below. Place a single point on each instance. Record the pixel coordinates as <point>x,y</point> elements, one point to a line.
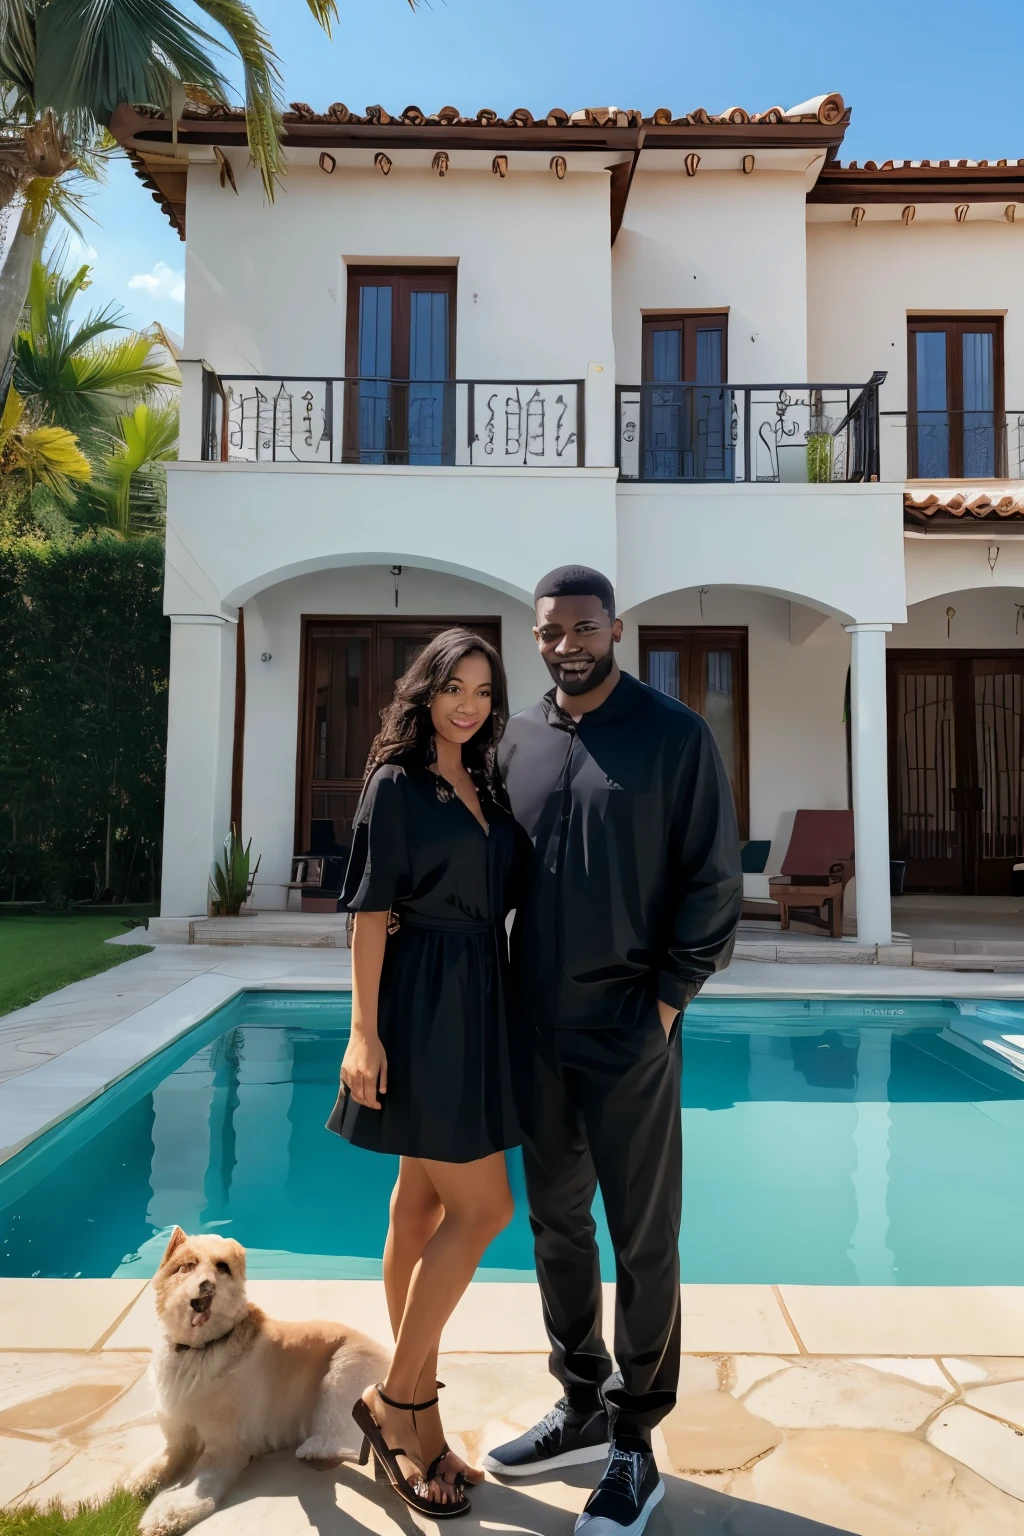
<point>385,1461</point>
<point>459,1482</point>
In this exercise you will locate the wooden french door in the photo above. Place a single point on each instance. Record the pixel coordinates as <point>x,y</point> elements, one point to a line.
<point>349,670</point>
<point>956,768</point>
<point>685,408</point>
<point>955,405</point>
<point>400,349</point>
<point>706,668</point>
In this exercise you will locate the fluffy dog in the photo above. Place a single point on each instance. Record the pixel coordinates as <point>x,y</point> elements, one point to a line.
<point>232,1384</point>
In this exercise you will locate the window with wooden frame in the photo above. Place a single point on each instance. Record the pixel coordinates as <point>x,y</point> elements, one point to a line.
<point>685,404</point>
<point>706,668</point>
<point>400,361</point>
<point>955,408</point>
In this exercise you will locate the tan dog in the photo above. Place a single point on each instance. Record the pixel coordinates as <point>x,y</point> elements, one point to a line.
<point>231,1384</point>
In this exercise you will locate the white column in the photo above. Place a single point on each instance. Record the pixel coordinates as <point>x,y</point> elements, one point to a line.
<point>870,781</point>
<point>200,736</point>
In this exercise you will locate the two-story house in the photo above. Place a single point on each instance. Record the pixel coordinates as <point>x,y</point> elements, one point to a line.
<point>769,393</point>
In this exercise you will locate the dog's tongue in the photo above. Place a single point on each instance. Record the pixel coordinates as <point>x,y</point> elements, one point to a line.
<point>199,1318</point>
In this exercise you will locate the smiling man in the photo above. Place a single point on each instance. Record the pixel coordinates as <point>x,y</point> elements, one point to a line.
<point>632,903</point>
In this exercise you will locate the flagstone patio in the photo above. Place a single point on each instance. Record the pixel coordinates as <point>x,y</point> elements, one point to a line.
<point>767,1437</point>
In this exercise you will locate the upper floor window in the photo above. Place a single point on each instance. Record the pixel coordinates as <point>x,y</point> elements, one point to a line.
<point>400,347</point>
<point>684,405</point>
<point>955,405</point>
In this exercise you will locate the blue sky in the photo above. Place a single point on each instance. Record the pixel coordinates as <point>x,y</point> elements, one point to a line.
<point>924,79</point>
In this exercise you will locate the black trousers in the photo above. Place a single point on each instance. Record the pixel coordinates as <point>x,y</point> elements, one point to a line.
<point>604,1112</point>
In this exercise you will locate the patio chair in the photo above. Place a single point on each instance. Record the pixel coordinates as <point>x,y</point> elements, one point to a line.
<point>816,870</point>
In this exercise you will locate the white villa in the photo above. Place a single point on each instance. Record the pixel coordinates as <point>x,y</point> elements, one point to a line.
<point>770,393</point>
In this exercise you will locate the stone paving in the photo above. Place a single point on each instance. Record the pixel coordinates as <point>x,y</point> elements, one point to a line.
<point>767,1428</point>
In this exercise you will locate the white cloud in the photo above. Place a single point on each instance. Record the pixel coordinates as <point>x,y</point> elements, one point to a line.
<point>80,251</point>
<point>163,282</point>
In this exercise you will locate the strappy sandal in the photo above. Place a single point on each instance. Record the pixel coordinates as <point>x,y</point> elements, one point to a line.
<point>385,1461</point>
<point>460,1482</point>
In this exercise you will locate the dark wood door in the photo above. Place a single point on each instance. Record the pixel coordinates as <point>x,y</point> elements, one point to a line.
<point>401,348</point>
<point>685,408</point>
<point>956,768</point>
<point>706,668</point>
<point>349,671</point>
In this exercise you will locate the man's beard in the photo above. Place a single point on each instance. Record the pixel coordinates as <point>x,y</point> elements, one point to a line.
<point>573,686</point>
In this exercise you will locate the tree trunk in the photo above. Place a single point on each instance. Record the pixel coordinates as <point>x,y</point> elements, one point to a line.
<point>106,862</point>
<point>15,275</point>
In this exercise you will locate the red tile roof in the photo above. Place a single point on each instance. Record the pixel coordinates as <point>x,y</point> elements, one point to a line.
<point>924,505</point>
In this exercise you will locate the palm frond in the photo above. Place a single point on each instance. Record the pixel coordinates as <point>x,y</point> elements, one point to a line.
<point>50,456</point>
<point>130,493</point>
<point>18,46</point>
<point>325,12</point>
<point>263,102</point>
<point>119,367</point>
<point>96,54</point>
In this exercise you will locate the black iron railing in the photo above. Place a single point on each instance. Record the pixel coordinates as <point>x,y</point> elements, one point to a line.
<point>951,445</point>
<point>534,423</point>
<point>749,432</point>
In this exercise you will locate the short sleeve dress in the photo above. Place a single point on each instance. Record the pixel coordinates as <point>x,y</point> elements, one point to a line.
<point>419,853</point>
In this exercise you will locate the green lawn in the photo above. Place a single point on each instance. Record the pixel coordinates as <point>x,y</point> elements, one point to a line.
<point>117,1516</point>
<point>40,953</point>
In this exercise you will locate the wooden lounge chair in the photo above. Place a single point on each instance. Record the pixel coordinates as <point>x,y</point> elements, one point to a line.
<point>816,870</point>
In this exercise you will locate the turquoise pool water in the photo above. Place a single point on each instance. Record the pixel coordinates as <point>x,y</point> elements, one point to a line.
<point>875,1143</point>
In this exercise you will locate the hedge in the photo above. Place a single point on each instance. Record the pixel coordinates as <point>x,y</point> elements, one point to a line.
<point>84,655</point>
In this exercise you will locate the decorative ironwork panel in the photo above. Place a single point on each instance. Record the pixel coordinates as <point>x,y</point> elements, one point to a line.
<point>926,767</point>
<point>527,424</point>
<point>999,724</point>
<point>280,420</point>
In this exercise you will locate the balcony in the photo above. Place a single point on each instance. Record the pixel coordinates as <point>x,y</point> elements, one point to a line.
<point>506,423</point>
<point>773,433</point>
<point>952,445</point>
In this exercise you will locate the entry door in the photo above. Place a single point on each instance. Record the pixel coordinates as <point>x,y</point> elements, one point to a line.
<point>399,403</point>
<point>956,768</point>
<point>955,406</point>
<point>706,669</point>
<point>685,423</point>
<point>350,667</point>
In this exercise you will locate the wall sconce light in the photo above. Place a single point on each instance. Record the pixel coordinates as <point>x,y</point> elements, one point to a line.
<point>382,162</point>
<point>993,556</point>
<point>227,175</point>
<point>748,164</point>
<point>396,572</point>
<point>950,616</point>
<point>691,162</point>
<point>558,166</point>
<point>908,214</point>
<point>327,163</point>
<point>961,212</point>
<point>857,215</point>
<point>440,162</point>
<point>499,165</point>
<point>1020,615</point>
<point>1010,212</point>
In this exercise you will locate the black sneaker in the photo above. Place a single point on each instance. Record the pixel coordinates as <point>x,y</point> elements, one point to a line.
<point>622,1502</point>
<point>563,1438</point>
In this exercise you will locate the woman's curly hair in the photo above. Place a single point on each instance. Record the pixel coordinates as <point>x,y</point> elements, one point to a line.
<point>406,735</point>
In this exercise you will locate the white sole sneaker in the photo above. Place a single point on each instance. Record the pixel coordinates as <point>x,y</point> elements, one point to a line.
<point>550,1463</point>
<point>600,1525</point>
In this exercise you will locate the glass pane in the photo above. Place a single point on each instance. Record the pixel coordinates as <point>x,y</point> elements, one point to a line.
<point>709,356</point>
<point>403,654</point>
<point>999,726</point>
<point>428,360</point>
<point>341,709</point>
<point>663,672</point>
<point>720,705</point>
<point>375,306</point>
<point>979,403</point>
<point>666,356</point>
<point>932,428</point>
<point>925,767</point>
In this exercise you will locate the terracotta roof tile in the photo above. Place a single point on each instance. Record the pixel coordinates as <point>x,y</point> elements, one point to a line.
<point>965,504</point>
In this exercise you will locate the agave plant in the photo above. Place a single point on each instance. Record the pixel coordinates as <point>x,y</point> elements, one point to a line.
<point>229,877</point>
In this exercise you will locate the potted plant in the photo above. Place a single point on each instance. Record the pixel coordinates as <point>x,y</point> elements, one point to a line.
<point>230,880</point>
<point>820,456</point>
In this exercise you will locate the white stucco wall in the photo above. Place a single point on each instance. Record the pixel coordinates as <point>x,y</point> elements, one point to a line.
<point>984,620</point>
<point>267,292</point>
<point>935,565</point>
<point>273,624</point>
<point>717,240</point>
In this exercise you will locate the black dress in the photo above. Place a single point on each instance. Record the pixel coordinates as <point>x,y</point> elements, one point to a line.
<point>419,853</point>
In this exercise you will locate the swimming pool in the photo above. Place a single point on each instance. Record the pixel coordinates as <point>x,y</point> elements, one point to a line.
<point>854,1142</point>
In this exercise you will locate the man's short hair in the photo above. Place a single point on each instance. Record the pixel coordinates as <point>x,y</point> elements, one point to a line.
<point>577,581</point>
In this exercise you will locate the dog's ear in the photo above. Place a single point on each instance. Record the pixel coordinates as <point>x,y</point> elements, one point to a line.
<point>239,1257</point>
<point>177,1238</point>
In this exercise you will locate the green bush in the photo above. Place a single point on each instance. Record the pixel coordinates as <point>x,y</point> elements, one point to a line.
<point>84,654</point>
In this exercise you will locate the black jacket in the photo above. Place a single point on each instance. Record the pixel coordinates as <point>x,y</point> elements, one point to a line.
<point>635,888</point>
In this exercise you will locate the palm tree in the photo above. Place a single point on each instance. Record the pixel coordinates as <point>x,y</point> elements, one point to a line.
<point>66,65</point>
<point>31,456</point>
<point>78,374</point>
<point>129,493</point>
